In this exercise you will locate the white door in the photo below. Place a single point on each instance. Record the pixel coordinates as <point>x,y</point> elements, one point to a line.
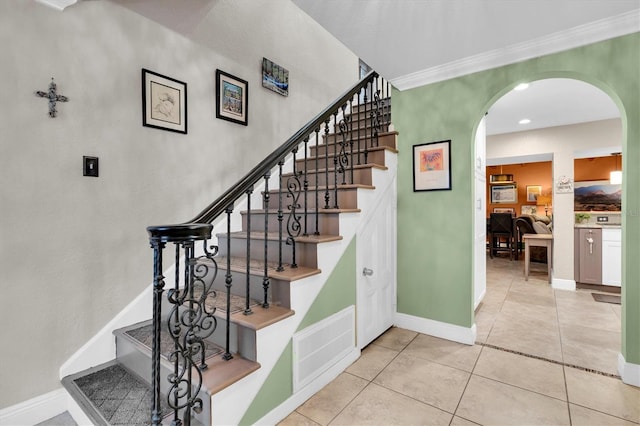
<point>376,263</point>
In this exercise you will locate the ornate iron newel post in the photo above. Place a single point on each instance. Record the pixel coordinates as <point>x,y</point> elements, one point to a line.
<point>189,322</point>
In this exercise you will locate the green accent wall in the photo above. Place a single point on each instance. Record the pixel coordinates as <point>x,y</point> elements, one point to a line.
<point>435,238</point>
<point>338,292</point>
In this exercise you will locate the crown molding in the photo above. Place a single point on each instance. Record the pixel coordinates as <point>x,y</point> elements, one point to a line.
<point>581,35</point>
<point>58,4</point>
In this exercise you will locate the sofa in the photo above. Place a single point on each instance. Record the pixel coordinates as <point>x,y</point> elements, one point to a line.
<point>532,224</point>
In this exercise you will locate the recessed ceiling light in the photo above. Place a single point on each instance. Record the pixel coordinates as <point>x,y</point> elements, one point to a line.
<point>521,86</point>
<point>524,121</point>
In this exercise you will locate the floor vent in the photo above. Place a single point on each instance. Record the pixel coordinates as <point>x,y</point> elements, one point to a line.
<point>318,347</point>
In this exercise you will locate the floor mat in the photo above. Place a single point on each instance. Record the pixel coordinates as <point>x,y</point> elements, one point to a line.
<point>607,298</point>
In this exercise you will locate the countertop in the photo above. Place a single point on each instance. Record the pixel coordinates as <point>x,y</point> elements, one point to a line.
<point>599,225</point>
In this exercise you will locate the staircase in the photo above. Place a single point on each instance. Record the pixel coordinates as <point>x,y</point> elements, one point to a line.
<point>223,288</point>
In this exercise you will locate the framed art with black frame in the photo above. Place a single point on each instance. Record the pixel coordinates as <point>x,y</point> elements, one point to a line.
<point>164,102</point>
<point>432,166</point>
<point>232,98</point>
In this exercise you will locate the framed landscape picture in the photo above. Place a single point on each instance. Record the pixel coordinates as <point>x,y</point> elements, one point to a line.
<point>164,102</point>
<point>598,196</point>
<point>232,98</point>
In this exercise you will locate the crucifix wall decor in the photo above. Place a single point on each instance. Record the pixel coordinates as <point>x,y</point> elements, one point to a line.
<point>53,97</point>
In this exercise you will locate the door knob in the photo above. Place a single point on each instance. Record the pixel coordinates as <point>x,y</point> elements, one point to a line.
<point>367,272</point>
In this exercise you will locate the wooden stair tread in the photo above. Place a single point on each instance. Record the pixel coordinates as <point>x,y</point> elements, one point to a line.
<point>324,187</point>
<point>332,169</point>
<point>262,317</point>
<point>322,210</point>
<point>355,151</point>
<point>274,236</point>
<point>221,374</point>
<point>239,264</point>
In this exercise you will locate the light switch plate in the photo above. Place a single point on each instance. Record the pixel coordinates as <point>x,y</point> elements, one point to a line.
<point>90,166</point>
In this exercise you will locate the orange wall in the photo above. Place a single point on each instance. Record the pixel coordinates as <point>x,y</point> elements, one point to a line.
<point>585,169</point>
<point>523,174</point>
<point>595,168</point>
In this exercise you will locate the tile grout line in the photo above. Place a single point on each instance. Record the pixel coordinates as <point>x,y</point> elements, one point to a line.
<point>588,370</point>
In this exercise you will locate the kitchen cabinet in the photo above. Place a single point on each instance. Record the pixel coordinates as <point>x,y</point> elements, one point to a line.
<point>588,255</point>
<point>612,256</point>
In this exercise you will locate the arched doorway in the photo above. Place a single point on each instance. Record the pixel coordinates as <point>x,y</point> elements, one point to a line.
<point>526,143</point>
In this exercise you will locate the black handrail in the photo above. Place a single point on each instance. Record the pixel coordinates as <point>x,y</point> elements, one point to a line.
<point>236,191</point>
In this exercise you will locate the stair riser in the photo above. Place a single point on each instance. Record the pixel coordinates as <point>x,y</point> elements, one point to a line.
<point>359,108</point>
<point>139,363</point>
<point>278,293</point>
<point>360,176</point>
<point>385,139</point>
<point>353,133</point>
<point>328,223</point>
<point>306,253</point>
<point>347,199</point>
<point>241,340</point>
<point>374,157</point>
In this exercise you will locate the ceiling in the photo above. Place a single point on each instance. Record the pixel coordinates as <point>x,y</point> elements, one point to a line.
<point>417,42</point>
<point>425,41</point>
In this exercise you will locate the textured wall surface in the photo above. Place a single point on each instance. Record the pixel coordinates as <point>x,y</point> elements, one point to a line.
<point>73,249</point>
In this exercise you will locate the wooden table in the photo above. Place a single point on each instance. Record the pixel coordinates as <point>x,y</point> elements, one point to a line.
<point>537,240</point>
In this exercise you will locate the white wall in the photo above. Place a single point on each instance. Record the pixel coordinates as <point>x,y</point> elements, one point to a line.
<point>564,143</point>
<point>73,249</point>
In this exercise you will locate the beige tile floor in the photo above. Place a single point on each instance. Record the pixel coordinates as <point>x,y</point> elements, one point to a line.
<point>542,357</point>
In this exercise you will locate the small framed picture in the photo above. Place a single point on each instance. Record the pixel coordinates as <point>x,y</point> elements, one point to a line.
<point>504,194</point>
<point>164,102</point>
<point>432,166</point>
<point>532,193</point>
<point>504,210</point>
<point>275,77</point>
<point>232,98</point>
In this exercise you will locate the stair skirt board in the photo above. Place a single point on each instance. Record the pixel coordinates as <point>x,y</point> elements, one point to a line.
<point>318,347</point>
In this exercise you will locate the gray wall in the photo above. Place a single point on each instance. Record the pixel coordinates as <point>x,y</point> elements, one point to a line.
<point>73,249</point>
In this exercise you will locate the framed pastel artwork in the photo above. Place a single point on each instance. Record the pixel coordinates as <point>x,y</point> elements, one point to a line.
<point>432,166</point>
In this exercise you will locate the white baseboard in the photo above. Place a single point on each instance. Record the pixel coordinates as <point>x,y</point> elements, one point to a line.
<point>455,333</point>
<point>562,284</point>
<point>630,373</point>
<point>35,410</point>
<point>298,398</point>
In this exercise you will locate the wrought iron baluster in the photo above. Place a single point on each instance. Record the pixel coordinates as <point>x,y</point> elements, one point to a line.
<point>280,217</point>
<point>359,105</point>
<point>376,115</point>
<point>306,185</point>
<point>228,281</point>
<point>158,288</point>
<point>336,159</point>
<point>265,278</point>
<point>293,220</point>
<point>174,329</point>
<point>351,135</point>
<point>247,307</point>
<point>326,163</point>
<point>366,148</point>
<point>343,157</point>
<point>317,173</point>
